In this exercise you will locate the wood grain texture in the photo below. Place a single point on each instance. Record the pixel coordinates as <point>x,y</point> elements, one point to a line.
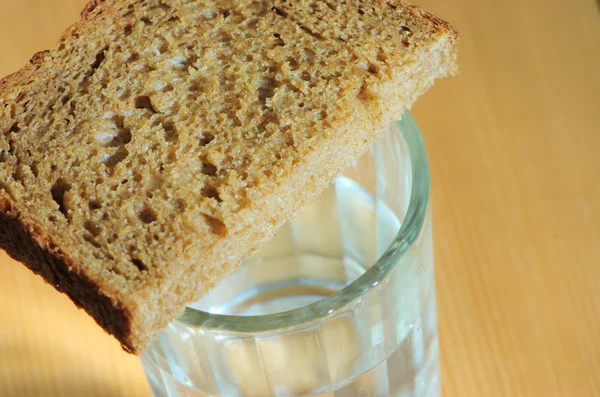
<point>514,147</point>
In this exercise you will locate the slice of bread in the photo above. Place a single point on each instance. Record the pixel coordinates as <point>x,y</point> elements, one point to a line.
<point>161,141</point>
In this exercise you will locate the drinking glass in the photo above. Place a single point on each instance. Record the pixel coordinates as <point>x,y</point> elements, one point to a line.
<point>341,303</point>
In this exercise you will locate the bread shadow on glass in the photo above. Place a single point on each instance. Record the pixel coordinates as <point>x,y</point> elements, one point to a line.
<point>32,379</point>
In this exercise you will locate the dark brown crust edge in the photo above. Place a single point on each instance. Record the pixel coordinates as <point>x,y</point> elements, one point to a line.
<point>18,242</point>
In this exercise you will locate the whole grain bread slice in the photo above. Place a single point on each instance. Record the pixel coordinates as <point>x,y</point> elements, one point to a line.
<point>161,141</point>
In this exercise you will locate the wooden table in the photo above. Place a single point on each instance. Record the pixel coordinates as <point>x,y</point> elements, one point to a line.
<point>514,146</point>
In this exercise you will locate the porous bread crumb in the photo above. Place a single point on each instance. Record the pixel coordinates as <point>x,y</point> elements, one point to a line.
<point>160,142</point>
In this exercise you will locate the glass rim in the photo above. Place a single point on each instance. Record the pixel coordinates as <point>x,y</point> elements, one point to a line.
<point>323,308</point>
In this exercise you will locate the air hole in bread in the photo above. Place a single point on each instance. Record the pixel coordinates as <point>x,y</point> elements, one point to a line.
<point>147,215</point>
<point>94,205</point>
<point>99,58</point>
<point>170,132</point>
<point>190,61</point>
<point>123,137</point>
<point>196,85</point>
<point>280,12</point>
<point>280,42</point>
<point>172,156</point>
<point>211,192</point>
<point>137,176</point>
<point>19,174</point>
<point>35,168</point>
<point>312,33</point>
<point>217,226</point>
<point>231,114</point>
<point>366,95</point>
<point>131,58</point>
<point>209,169</point>
<point>114,136</point>
<point>293,63</point>
<point>120,155</point>
<point>92,228</point>
<point>267,90</point>
<point>373,69</point>
<point>331,6</point>
<point>164,46</point>
<point>59,189</point>
<point>206,139</point>
<point>14,128</point>
<point>144,102</point>
<point>139,264</point>
<point>92,241</point>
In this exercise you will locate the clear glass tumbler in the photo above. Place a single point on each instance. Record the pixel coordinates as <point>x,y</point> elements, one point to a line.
<point>340,303</point>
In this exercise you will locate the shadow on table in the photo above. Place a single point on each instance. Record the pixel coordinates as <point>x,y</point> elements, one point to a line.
<point>68,388</point>
<point>31,374</point>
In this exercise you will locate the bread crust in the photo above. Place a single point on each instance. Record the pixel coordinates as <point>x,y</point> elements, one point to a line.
<point>23,243</point>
